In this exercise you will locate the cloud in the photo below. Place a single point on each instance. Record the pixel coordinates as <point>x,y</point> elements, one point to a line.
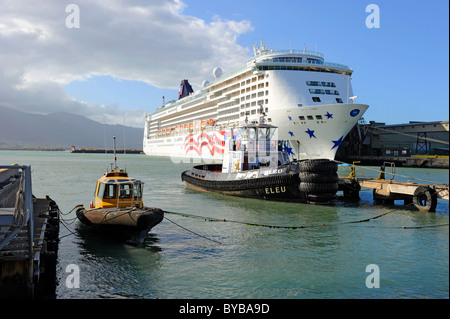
<point>148,41</point>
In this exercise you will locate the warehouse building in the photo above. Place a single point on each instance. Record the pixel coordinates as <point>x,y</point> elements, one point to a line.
<point>424,144</point>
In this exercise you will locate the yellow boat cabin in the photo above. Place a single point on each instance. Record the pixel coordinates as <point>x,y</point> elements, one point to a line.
<point>116,189</point>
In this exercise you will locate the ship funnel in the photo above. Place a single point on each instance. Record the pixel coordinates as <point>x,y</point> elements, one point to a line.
<point>185,89</point>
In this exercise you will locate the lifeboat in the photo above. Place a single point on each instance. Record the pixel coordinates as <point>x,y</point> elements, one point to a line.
<point>118,209</point>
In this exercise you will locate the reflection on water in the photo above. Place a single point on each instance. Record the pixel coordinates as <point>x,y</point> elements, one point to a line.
<point>110,269</point>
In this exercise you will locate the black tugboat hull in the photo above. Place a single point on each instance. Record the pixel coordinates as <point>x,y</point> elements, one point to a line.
<point>279,183</point>
<point>270,188</point>
<point>308,181</point>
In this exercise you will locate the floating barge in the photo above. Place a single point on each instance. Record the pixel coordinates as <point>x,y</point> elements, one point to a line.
<point>423,196</point>
<point>29,235</point>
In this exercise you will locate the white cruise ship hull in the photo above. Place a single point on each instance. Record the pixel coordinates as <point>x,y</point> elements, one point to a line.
<point>307,98</point>
<point>322,130</point>
<point>313,132</point>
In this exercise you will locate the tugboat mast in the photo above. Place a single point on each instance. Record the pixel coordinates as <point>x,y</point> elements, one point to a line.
<point>115,157</point>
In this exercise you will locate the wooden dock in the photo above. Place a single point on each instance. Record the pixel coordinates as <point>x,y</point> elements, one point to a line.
<point>423,196</point>
<point>419,161</point>
<point>29,235</point>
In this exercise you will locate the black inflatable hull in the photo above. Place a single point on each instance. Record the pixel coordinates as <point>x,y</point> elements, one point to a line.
<point>312,181</point>
<point>120,224</point>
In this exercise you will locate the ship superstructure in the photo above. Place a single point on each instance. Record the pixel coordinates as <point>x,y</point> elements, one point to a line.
<point>310,100</point>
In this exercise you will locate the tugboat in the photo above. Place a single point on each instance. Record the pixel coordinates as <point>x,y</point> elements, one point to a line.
<point>256,165</point>
<point>118,210</point>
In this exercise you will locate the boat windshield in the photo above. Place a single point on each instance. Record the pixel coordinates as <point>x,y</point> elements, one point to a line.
<point>137,190</point>
<point>266,133</point>
<point>251,133</point>
<point>125,191</point>
<point>101,190</point>
<point>257,132</point>
<point>110,191</point>
<point>243,132</point>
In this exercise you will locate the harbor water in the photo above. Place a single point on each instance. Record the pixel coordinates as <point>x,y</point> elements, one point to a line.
<point>402,254</point>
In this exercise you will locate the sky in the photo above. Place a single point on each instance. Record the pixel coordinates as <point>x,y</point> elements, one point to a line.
<point>114,60</point>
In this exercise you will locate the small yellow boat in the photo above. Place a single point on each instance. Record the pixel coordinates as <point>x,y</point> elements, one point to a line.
<point>118,209</point>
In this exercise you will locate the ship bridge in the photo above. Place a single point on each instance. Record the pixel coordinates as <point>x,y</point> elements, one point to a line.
<point>304,60</point>
<point>297,60</point>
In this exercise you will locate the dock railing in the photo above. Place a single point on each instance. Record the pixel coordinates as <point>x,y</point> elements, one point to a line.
<point>16,210</point>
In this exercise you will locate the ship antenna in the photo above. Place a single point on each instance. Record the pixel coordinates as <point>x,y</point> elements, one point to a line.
<point>115,158</point>
<point>262,119</point>
<point>124,146</point>
<point>106,152</point>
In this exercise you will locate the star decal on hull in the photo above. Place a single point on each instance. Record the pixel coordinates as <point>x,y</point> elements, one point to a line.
<point>287,148</point>
<point>338,142</point>
<point>291,133</point>
<point>329,116</point>
<point>311,133</point>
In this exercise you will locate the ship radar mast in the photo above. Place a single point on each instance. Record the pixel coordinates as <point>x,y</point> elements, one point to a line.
<point>261,49</point>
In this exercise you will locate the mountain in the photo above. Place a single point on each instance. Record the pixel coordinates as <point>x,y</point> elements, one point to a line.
<point>21,130</point>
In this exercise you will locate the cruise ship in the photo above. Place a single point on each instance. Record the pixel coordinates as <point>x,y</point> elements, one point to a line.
<point>310,100</point>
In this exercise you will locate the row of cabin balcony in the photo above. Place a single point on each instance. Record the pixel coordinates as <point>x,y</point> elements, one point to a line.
<point>197,126</point>
<point>186,109</point>
<point>189,119</point>
<point>200,115</point>
<point>184,103</point>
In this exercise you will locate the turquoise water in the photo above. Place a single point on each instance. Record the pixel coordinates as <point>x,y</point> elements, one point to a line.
<point>234,260</point>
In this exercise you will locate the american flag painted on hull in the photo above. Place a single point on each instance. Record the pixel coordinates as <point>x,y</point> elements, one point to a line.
<point>212,142</point>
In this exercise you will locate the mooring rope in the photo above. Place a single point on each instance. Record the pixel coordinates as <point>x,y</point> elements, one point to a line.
<point>70,221</point>
<point>192,231</point>
<point>213,219</point>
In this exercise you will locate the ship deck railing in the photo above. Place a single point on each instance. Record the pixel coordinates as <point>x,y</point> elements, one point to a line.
<point>307,63</point>
<point>303,52</point>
